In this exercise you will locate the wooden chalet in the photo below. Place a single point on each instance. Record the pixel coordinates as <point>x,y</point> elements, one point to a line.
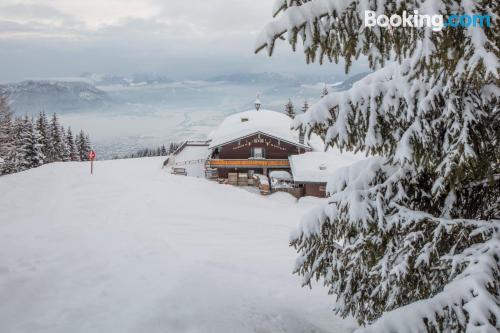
<point>253,142</point>
<point>255,148</point>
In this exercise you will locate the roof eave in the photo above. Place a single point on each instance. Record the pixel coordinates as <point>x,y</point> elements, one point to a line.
<point>260,132</point>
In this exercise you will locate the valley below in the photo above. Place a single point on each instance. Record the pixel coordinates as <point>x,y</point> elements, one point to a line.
<point>123,115</point>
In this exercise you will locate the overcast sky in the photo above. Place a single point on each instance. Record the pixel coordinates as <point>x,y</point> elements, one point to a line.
<point>177,38</point>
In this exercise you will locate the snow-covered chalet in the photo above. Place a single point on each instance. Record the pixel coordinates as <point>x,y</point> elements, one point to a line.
<point>254,142</point>
<point>259,147</point>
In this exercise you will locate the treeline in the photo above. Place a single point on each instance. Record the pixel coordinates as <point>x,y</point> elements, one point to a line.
<point>290,108</point>
<point>152,152</point>
<point>27,142</point>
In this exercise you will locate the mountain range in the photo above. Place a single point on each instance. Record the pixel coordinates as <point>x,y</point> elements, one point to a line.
<point>53,96</point>
<point>93,92</point>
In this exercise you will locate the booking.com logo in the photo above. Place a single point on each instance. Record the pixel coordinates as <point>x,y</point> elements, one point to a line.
<point>437,22</point>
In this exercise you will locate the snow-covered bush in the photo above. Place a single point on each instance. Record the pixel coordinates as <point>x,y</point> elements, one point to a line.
<point>410,240</point>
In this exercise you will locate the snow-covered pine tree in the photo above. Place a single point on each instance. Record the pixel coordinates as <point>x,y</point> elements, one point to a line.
<point>163,151</point>
<point>88,144</point>
<point>7,139</point>
<point>173,147</point>
<point>70,140</point>
<point>22,132</point>
<point>409,241</point>
<point>83,146</point>
<point>80,146</point>
<point>35,153</point>
<point>57,140</point>
<point>324,91</point>
<point>43,128</point>
<point>289,109</point>
<point>65,150</point>
<point>305,106</point>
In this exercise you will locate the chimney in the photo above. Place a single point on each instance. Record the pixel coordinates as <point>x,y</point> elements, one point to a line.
<point>257,103</point>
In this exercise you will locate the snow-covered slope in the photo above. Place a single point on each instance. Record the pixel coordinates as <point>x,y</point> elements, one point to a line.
<point>134,249</point>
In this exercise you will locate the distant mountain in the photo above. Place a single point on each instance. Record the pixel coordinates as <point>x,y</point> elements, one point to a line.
<point>53,96</point>
<point>347,83</point>
<point>131,80</point>
<point>255,78</point>
<point>276,79</point>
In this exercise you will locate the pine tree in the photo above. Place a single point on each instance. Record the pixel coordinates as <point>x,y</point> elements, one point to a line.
<point>289,109</point>
<point>305,106</point>
<point>83,146</point>
<point>7,139</point>
<point>43,129</point>
<point>34,153</point>
<point>163,151</point>
<point>172,147</point>
<point>88,144</point>
<point>80,146</point>
<point>70,140</point>
<point>22,132</point>
<point>57,142</point>
<point>65,150</point>
<point>413,232</point>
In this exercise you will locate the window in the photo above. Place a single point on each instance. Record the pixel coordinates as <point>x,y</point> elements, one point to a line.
<point>258,152</point>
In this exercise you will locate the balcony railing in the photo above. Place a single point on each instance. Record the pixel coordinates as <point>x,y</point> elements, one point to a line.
<point>249,163</point>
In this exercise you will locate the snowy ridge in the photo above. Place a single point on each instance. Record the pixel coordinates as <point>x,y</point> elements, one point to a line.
<point>34,96</point>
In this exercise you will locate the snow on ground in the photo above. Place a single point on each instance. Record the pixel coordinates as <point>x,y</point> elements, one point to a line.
<point>135,249</point>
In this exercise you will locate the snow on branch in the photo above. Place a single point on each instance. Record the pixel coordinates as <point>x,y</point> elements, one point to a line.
<point>375,253</point>
<point>418,221</point>
<point>335,29</point>
<point>360,118</point>
<point>471,297</point>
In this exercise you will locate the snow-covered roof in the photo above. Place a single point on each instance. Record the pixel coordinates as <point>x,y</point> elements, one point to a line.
<point>192,158</point>
<point>192,153</point>
<point>246,123</point>
<point>190,143</point>
<point>318,167</point>
<point>281,175</point>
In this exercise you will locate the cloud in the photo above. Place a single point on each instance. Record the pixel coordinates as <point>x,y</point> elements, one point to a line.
<point>174,37</point>
<point>27,11</point>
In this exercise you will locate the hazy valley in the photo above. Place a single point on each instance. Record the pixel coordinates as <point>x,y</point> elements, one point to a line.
<point>123,114</point>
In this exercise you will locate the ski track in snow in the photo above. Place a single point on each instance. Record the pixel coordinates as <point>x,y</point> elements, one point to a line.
<point>134,249</point>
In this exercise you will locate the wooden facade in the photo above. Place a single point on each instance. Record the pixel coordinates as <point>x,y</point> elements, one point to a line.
<point>256,153</point>
<point>313,189</point>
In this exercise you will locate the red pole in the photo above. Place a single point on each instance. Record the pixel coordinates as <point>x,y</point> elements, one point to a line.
<point>91,158</point>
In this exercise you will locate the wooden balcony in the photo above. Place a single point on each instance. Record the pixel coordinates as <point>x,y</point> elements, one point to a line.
<point>249,163</point>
